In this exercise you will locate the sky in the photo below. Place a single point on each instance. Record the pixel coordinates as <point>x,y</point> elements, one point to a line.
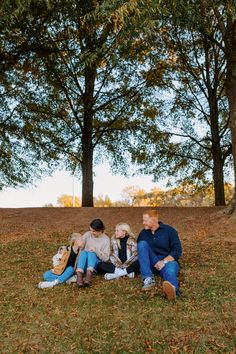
<point>49,189</point>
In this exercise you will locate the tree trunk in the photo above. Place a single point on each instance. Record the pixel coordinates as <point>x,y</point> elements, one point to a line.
<point>213,102</point>
<point>218,164</point>
<point>87,169</point>
<point>218,177</point>
<point>87,143</point>
<point>88,36</point>
<point>231,95</point>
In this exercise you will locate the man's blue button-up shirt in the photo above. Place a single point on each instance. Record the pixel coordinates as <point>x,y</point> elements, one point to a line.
<point>164,242</point>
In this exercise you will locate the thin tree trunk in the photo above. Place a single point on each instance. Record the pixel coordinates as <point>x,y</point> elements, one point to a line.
<point>232,108</point>
<point>218,164</point>
<point>231,94</point>
<point>213,101</point>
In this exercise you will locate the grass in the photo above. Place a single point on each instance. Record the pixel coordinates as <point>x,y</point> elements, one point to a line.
<point>116,317</point>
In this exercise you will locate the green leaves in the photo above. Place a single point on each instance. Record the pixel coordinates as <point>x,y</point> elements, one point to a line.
<point>139,81</point>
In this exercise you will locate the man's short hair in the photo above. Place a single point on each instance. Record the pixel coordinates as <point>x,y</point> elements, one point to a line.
<point>153,213</point>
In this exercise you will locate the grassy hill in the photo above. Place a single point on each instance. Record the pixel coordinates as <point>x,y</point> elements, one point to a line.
<point>116,317</point>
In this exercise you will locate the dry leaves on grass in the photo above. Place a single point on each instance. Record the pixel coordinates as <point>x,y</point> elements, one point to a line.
<point>115,317</point>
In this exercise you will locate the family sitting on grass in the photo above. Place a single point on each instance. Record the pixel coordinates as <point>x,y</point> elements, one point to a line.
<point>156,251</point>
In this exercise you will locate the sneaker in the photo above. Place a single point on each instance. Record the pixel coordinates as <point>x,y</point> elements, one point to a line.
<point>169,290</point>
<point>48,284</point>
<point>121,272</point>
<point>110,276</point>
<point>148,283</point>
<point>118,270</point>
<point>131,275</point>
<point>71,280</point>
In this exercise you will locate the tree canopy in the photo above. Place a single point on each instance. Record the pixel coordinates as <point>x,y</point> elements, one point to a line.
<point>142,81</point>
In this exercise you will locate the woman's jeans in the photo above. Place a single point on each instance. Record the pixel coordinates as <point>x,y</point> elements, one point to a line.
<point>68,272</point>
<point>87,260</point>
<point>147,259</point>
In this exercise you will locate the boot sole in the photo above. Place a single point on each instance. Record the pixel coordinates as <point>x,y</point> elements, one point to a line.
<point>169,290</point>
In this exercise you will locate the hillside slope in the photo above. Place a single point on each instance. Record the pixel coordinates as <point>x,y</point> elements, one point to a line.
<point>16,224</point>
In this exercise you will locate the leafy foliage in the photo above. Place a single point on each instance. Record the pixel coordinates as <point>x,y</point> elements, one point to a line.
<point>67,201</point>
<point>186,194</point>
<point>126,81</point>
<point>19,26</point>
<point>82,89</point>
<point>190,137</point>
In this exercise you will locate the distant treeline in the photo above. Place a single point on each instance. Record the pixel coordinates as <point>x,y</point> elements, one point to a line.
<point>185,195</point>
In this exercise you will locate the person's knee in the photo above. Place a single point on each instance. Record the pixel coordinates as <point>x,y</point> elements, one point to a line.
<point>142,245</point>
<point>83,254</point>
<point>91,254</point>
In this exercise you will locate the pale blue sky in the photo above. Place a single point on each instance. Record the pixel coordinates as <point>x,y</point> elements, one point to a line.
<point>50,188</point>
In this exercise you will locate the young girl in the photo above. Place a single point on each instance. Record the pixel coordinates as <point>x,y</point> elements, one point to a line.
<point>63,263</point>
<point>96,249</point>
<point>56,259</point>
<point>123,258</point>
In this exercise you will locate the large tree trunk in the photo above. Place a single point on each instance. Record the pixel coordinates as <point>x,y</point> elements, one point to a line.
<point>88,36</point>
<point>87,143</point>
<point>87,169</point>
<point>218,177</point>
<point>231,94</point>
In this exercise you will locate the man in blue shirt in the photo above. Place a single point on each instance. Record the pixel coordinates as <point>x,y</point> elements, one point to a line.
<point>159,249</point>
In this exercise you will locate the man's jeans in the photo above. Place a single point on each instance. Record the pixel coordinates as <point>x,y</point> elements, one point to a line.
<point>86,260</point>
<point>68,272</point>
<point>147,259</point>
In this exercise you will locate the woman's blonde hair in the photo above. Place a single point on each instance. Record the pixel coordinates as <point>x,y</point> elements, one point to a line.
<point>128,232</point>
<point>75,236</point>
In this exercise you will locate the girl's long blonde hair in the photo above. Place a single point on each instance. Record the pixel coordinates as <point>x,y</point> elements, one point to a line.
<point>75,236</point>
<point>128,232</point>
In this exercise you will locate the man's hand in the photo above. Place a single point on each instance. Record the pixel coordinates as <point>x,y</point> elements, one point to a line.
<point>159,265</point>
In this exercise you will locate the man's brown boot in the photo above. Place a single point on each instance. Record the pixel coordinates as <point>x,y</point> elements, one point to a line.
<point>169,290</point>
<point>79,279</point>
<point>88,278</point>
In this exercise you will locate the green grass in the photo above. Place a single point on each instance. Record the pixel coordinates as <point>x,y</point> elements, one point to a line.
<point>116,317</point>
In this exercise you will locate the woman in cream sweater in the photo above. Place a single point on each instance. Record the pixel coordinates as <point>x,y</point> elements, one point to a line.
<point>96,249</point>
